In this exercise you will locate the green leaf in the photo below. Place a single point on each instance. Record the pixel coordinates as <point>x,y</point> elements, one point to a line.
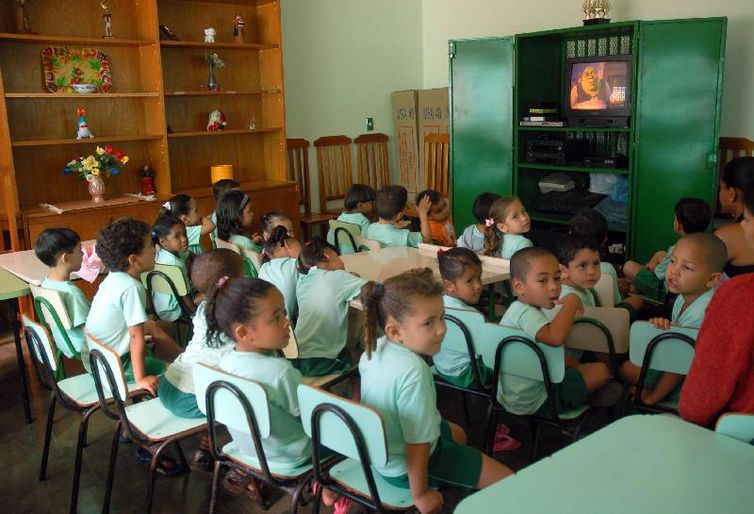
<point>96,64</point>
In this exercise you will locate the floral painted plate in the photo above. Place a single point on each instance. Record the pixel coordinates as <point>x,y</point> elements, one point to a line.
<point>64,66</point>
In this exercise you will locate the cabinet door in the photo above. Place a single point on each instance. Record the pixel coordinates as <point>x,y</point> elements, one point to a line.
<point>481,134</point>
<point>680,71</point>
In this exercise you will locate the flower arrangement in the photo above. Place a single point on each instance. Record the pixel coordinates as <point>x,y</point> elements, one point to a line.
<point>105,161</point>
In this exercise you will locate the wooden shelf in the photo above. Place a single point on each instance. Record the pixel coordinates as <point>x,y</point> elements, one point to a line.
<point>255,185</point>
<point>75,40</point>
<point>95,140</point>
<point>227,46</point>
<point>227,132</point>
<point>80,96</point>
<point>573,129</point>
<point>223,93</point>
<point>565,219</point>
<point>577,169</point>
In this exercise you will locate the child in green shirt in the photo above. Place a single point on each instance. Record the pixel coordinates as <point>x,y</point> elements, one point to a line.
<point>390,229</point>
<point>359,206</point>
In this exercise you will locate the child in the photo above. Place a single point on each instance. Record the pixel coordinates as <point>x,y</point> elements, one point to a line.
<point>118,317</point>
<point>359,205</point>
<point>391,200</point>
<point>218,188</point>
<point>579,268</point>
<point>535,274</point>
<point>696,264</point>
<point>691,215</point>
<point>506,221</point>
<point>273,219</point>
<point>323,293</point>
<point>280,266</point>
<point>60,249</point>
<point>424,451</point>
<point>440,223</point>
<point>184,208</point>
<point>234,217</point>
<point>473,236</point>
<point>169,233</point>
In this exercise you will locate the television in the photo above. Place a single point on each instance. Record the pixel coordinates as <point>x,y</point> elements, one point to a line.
<point>598,91</point>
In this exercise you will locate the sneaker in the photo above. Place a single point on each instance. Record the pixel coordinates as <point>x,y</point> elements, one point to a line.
<point>608,395</point>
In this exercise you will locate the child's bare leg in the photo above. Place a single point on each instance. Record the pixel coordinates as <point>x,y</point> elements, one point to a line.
<point>664,386</point>
<point>492,471</point>
<point>630,372</point>
<point>595,375</point>
<point>571,361</point>
<point>458,433</point>
<point>634,301</point>
<point>631,269</point>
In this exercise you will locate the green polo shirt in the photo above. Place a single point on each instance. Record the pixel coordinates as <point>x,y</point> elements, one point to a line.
<point>283,274</point>
<point>388,235</point>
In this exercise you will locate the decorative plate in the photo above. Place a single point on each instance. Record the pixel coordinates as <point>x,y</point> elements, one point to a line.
<point>64,66</point>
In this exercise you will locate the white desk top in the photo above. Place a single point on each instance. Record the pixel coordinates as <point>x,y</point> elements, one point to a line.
<point>27,267</point>
<point>637,464</point>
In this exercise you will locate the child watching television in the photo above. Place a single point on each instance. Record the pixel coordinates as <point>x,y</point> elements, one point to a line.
<point>440,223</point>
<point>359,206</point>
<point>184,208</point>
<point>473,235</point>
<point>390,203</point>
<point>580,271</point>
<point>504,226</point>
<point>60,250</point>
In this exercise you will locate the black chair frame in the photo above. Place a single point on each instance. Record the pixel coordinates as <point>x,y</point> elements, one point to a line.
<point>336,238</point>
<point>186,314</point>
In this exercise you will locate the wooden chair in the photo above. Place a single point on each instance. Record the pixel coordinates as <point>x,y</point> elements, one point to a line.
<point>334,169</point>
<point>437,163</point>
<point>298,170</point>
<point>372,159</point>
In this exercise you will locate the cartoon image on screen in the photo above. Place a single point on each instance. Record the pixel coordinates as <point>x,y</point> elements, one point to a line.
<point>598,85</point>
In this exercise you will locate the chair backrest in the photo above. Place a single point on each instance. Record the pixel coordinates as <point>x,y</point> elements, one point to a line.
<point>437,162</point>
<point>344,235</point>
<point>604,289</point>
<point>110,363</point>
<point>54,300</point>
<point>41,347</point>
<point>221,243</point>
<point>333,431</point>
<point>253,257</point>
<point>737,425</point>
<point>372,160</point>
<point>298,170</point>
<point>669,350</point>
<point>588,332</point>
<point>160,278</point>
<point>333,168</point>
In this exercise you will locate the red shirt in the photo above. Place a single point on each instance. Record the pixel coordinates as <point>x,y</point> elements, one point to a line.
<point>721,378</point>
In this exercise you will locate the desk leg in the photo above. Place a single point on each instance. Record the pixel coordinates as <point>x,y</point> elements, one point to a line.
<point>20,358</point>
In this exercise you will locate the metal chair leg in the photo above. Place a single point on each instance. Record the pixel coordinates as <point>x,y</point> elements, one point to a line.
<point>153,471</point>
<point>467,414</point>
<point>489,431</point>
<point>48,437</point>
<point>111,468</point>
<point>83,429</point>
<point>535,442</point>
<point>215,480</point>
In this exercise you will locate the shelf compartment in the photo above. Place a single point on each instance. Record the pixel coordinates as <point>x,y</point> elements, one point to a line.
<point>223,46</point>
<point>227,132</point>
<point>252,185</point>
<point>55,96</point>
<point>95,140</point>
<point>73,40</point>
<point>577,169</point>
<point>223,93</point>
<point>564,219</point>
<point>573,129</point>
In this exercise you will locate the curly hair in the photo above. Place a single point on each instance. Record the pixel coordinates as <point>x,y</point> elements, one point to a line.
<point>120,239</point>
<point>210,266</point>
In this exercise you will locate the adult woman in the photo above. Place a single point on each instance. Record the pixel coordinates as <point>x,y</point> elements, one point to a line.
<point>721,378</point>
<point>737,176</point>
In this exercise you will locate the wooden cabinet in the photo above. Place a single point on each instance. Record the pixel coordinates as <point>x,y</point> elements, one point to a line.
<point>157,109</point>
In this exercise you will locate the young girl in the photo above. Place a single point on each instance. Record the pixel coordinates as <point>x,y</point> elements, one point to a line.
<point>274,219</point>
<point>184,208</point>
<point>279,266</point>
<point>424,451</point>
<point>169,233</point>
<point>473,235</point>
<point>506,222</point>
<point>234,217</point>
<point>323,293</point>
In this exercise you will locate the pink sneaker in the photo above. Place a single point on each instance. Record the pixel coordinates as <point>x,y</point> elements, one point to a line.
<point>342,506</point>
<point>504,442</point>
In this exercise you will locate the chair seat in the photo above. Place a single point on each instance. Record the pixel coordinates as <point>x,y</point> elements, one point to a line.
<point>81,389</point>
<point>287,472</point>
<point>350,475</point>
<point>153,420</point>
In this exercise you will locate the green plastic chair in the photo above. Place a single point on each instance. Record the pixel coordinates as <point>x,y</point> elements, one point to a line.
<point>241,404</point>
<point>605,288</point>
<point>662,350</point>
<point>51,312</point>
<point>146,423</point>
<point>343,236</point>
<point>737,425</point>
<point>169,279</point>
<point>356,432</point>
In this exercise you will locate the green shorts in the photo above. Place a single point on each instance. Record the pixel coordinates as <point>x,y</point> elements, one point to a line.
<point>648,284</point>
<point>451,464</point>
<point>152,366</point>
<point>176,401</point>
<point>466,377</point>
<point>570,394</point>
<point>321,366</point>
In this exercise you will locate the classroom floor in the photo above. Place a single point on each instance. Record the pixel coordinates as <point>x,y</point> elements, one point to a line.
<point>21,446</point>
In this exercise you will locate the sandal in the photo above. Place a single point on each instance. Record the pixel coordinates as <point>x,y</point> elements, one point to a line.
<point>166,466</point>
<point>202,460</point>
<point>504,442</point>
<point>236,483</point>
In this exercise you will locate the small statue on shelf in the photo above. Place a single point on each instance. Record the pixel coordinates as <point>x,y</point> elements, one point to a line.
<point>83,131</point>
<point>22,20</point>
<point>147,180</point>
<point>107,18</point>
<point>238,25</point>
<point>216,121</point>
<point>213,61</point>
<point>209,35</point>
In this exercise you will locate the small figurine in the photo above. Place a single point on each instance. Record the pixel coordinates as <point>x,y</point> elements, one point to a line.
<point>107,18</point>
<point>147,180</point>
<point>238,25</point>
<point>83,132</point>
<point>209,35</point>
<point>216,121</point>
<point>166,33</point>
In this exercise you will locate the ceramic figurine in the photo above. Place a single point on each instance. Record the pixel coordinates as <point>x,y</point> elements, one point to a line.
<point>216,121</point>
<point>147,180</point>
<point>238,25</point>
<point>107,18</point>
<point>83,131</point>
<point>209,35</point>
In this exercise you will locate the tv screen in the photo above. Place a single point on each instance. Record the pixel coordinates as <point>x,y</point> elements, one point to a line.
<point>599,85</point>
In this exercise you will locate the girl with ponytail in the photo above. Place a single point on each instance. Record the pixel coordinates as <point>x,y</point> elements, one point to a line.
<point>279,266</point>
<point>504,227</point>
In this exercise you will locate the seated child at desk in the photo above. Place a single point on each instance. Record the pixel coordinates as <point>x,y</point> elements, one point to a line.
<point>234,218</point>
<point>273,219</point>
<point>218,188</point>
<point>359,206</point>
<point>60,249</point>
<point>473,235</point>
<point>579,268</point>
<point>440,223</point>
<point>169,234</point>
<point>184,208</point>
<point>696,264</point>
<point>535,274</point>
<point>504,226</point>
<point>280,266</point>
<point>390,203</point>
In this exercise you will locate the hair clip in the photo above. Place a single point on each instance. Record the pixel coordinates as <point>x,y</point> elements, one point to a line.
<point>222,281</point>
<point>489,222</point>
<point>166,205</point>
<point>379,288</point>
<point>154,233</point>
<point>440,252</point>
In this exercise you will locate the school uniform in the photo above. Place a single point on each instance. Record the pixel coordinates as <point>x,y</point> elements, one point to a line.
<point>283,274</point>
<point>588,297</point>
<point>77,307</point>
<point>357,218</point>
<point>322,326</point>
<point>472,239</point>
<point>388,235</point>
<point>513,243</point>
<point>245,242</point>
<point>166,304</point>
<point>194,233</point>
<point>653,283</point>
<point>398,383</point>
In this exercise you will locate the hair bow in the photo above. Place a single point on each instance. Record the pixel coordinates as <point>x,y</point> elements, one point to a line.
<point>440,252</point>
<point>489,222</point>
<point>166,205</point>
<point>222,281</point>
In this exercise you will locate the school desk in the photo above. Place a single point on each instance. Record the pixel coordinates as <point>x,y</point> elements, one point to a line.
<point>27,267</point>
<point>644,463</point>
<point>12,288</point>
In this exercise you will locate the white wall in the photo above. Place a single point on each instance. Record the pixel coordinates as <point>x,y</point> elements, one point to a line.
<point>443,20</point>
<point>342,58</point>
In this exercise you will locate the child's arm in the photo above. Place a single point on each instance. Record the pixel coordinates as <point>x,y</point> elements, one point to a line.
<point>423,210</point>
<point>655,260</point>
<point>556,331</point>
<point>207,225</point>
<point>138,354</point>
<point>189,303</point>
<point>417,461</point>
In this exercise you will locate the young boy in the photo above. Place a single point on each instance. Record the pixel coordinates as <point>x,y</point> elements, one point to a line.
<point>473,235</point>
<point>218,188</point>
<point>694,268</point>
<point>579,268</point>
<point>691,215</point>
<point>391,200</point>
<point>535,274</point>
<point>359,205</point>
<point>118,316</point>
<point>60,249</point>
<point>440,223</point>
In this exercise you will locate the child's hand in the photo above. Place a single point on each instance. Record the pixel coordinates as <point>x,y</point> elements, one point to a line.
<point>402,224</point>
<point>150,383</point>
<point>429,502</point>
<point>661,323</point>
<point>423,208</point>
<point>259,240</point>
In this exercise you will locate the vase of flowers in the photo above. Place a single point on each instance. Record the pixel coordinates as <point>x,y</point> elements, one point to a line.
<point>93,168</point>
<point>213,61</point>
